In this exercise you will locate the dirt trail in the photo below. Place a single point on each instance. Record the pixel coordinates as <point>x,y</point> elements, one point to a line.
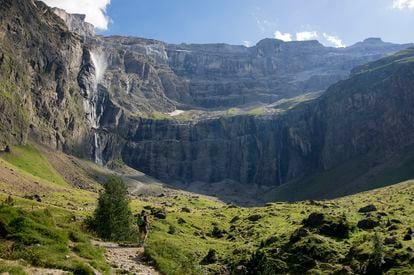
<point>126,259</point>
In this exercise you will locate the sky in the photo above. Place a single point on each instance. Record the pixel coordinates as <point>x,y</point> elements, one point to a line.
<point>336,23</point>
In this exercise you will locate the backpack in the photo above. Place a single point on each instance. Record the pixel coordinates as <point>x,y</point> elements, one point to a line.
<point>141,220</point>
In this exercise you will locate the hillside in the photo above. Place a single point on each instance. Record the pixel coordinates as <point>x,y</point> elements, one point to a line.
<point>313,237</point>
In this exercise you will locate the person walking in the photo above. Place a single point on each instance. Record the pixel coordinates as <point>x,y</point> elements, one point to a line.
<point>143,227</point>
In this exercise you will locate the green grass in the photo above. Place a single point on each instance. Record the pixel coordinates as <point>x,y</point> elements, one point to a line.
<point>29,159</point>
<point>11,269</point>
<point>41,238</point>
<point>42,234</point>
<point>181,252</point>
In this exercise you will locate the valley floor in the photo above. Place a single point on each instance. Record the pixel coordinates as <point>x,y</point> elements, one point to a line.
<point>189,233</point>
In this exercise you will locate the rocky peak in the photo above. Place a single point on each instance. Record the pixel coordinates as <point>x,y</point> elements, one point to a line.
<point>75,22</point>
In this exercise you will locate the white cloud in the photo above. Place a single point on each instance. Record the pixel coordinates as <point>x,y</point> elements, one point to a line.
<point>247,43</point>
<point>283,36</point>
<point>334,40</point>
<point>403,4</point>
<point>303,36</point>
<point>95,10</point>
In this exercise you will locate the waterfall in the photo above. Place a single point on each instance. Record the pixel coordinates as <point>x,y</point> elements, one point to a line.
<point>99,62</point>
<point>91,103</point>
<point>279,164</point>
<point>97,151</point>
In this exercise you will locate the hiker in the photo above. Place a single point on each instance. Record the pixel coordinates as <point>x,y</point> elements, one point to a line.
<point>143,227</point>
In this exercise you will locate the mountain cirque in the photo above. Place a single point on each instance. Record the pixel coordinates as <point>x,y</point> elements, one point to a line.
<point>255,117</point>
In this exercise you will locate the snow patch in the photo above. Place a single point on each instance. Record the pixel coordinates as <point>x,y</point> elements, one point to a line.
<point>176,113</point>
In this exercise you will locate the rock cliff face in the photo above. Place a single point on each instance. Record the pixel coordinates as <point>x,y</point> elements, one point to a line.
<point>107,98</point>
<point>222,75</point>
<point>39,61</point>
<point>368,116</point>
<point>75,22</point>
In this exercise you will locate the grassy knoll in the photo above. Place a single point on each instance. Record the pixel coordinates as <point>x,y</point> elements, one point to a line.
<point>249,238</point>
<point>28,158</point>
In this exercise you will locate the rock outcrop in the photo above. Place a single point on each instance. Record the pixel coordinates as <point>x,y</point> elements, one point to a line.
<point>39,62</point>
<point>75,22</point>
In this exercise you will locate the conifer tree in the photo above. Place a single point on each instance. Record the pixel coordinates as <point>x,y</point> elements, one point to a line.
<point>113,219</point>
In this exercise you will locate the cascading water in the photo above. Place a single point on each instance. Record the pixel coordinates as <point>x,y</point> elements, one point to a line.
<point>99,61</point>
<point>90,104</point>
<point>279,159</point>
<point>97,151</point>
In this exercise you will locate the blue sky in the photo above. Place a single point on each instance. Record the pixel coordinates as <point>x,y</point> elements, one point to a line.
<point>333,22</point>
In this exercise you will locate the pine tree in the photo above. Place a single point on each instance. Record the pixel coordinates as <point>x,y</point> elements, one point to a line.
<point>113,219</point>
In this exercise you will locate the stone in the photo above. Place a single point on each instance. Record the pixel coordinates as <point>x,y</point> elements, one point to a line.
<point>186,210</point>
<point>367,209</point>
<point>181,221</point>
<point>254,218</point>
<point>390,241</point>
<point>299,234</point>
<point>210,258</point>
<point>159,213</point>
<point>336,230</point>
<point>407,237</point>
<point>314,220</point>
<point>393,227</point>
<point>367,224</point>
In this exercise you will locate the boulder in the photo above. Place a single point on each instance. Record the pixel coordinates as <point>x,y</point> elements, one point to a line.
<point>367,224</point>
<point>159,213</point>
<point>390,241</point>
<point>186,210</point>
<point>181,221</point>
<point>254,218</point>
<point>407,237</point>
<point>337,230</point>
<point>314,220</point>
<point>210,258</point>
<point>367,209</point>
<point>393,227</point>
<point>299,234</point>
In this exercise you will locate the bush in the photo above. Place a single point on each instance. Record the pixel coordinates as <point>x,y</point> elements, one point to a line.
<point>113,218</point>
